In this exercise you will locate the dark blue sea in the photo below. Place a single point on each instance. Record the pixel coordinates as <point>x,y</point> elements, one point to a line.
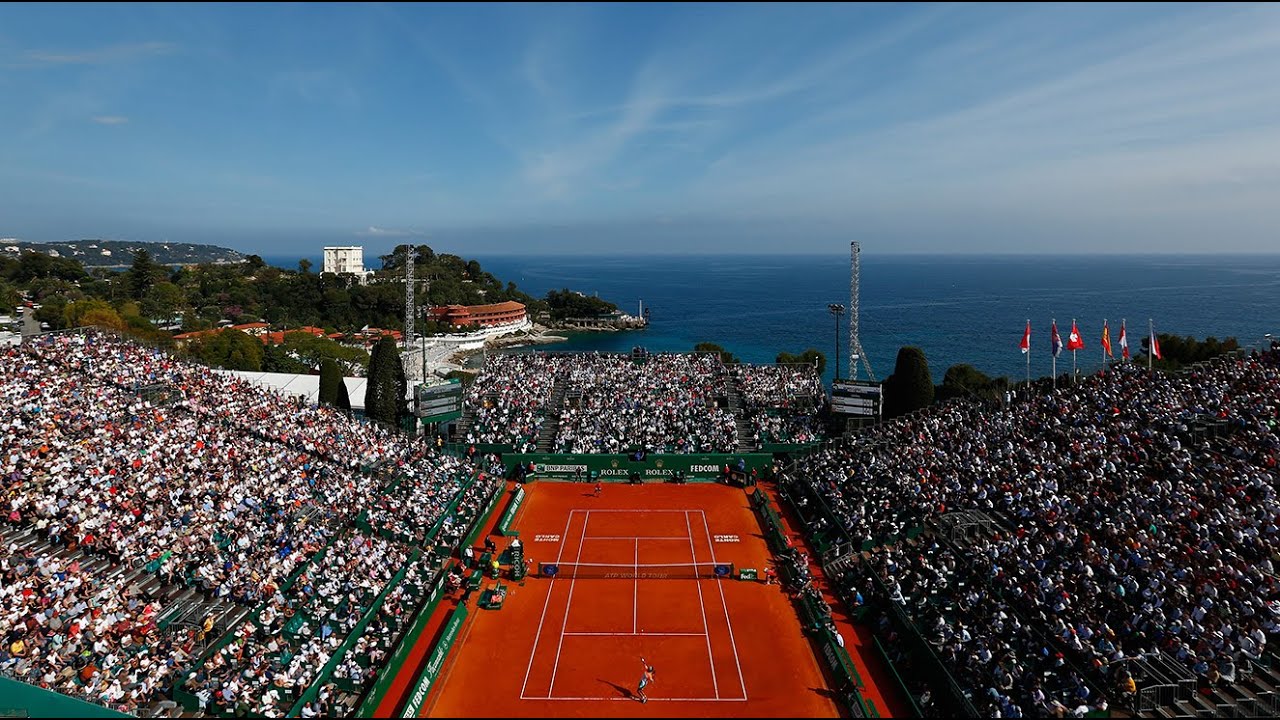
<point>958,309</point>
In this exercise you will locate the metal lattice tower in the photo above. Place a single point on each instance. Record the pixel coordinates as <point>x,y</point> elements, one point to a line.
<point>411,257</point>
<point>855,345</point>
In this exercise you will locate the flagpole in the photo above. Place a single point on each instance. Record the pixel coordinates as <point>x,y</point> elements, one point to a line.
<point>1053,326</point>
<point>1073,354</point>
<point>1151,345</point>
<point>1028,354</point>
<point>1106,332</point>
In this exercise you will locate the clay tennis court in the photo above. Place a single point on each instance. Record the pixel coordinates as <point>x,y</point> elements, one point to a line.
<point>627,586</point>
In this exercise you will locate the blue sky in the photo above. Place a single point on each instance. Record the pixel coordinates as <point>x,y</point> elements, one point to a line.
<point>645,128</point>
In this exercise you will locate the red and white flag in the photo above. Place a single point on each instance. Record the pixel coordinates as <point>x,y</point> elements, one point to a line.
<point>1026,340</point>
<point>1074,341</point>
<point>1155,346</point>
<point>1124,342</point>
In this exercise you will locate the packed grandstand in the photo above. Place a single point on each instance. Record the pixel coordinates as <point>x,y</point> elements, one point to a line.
<point>663,403</point>
<point>139,531</point>
<point>175,534</point>
<point>1075,550</point>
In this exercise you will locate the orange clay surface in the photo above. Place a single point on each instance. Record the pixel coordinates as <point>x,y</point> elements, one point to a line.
<point>571,646</point>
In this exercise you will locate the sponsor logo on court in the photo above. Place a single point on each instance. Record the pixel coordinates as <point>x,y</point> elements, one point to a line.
<point>704,468</point>
<point>546,538</point>
<point>726,538</point>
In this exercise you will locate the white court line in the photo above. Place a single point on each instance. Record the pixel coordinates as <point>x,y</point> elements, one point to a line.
<point>544,608</point>
<point>638,634</point>
<point>635,537</point>
<point>567,605</point>
<point>647,511</point>
<point>723,604</point>
<point>711,658</point>
<point>650,698</point>
<point>635,593</point>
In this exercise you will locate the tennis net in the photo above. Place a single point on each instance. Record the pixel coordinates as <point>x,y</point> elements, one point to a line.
<point>633,571</point>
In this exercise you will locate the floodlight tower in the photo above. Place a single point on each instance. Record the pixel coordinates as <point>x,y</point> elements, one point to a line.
<point>410,258</point>
<point>855,345</point>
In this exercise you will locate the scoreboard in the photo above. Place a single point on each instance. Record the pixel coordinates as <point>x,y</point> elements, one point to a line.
<point>438,403</point>
<point>856,398</point>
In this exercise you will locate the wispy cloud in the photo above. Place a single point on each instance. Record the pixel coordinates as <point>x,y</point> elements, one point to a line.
<point>110,119</point>
<point>100,56</point>
<point>330,86</point>
<point>378,232</point>
<point>1142,119</point>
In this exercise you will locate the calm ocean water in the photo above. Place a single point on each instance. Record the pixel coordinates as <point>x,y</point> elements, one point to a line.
<point>957,309</point>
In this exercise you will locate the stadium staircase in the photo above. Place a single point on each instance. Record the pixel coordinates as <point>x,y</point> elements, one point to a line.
<point>551,423</point>
<point>733,399</point>
<point>465,422</point>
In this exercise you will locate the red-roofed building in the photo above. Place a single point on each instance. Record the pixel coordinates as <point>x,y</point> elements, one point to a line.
<point>277,338</point>
<point>370,336</point>
<point>258,330</point>
<point>503,313</point>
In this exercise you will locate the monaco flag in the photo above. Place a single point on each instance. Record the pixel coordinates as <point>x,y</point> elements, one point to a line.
<point>1124,342</point>
<point>1026,340</point>
<point>1155,346</point>
<point>1074,341</point>
<point>1106,339</point>
<point>1057,340</point>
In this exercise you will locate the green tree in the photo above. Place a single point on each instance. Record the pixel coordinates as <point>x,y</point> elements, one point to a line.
<point>73,313</point>
<point>163,301</point>
<point>385,388</point>
<point>276,359</point>
<point>144,274</point>
<point>1177,352</point>
<point>330,380</point>
<point>566,303</point>
<point>964,380</point>
<point>808,357</point>
<point>32,265</point>
<point>95,313</point>
<point>304,266</point>
<point>725,356</point>
<point>9,297</point>
<point>229,349</point>
<point>52,311</point>
<point>910,387</point>
<point>343,401</point>
<point>312,351</point>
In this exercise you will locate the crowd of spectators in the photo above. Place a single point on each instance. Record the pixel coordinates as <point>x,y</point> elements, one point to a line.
<point>112,450</point>
<point>69,629</point>
<point>1135,514</point>
<point>510,399</point>
<point>780,402</point>
<point>276,656</point>
<point>665,403</point>
<point>412,505</point>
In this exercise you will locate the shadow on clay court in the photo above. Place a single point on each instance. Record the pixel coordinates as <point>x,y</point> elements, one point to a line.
<point>623,691</point>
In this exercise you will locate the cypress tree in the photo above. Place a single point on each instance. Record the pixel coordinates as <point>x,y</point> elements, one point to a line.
<point>330,380</point>
<point>343,402</point>
<point>910,387</point>
<point>384,392</point>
